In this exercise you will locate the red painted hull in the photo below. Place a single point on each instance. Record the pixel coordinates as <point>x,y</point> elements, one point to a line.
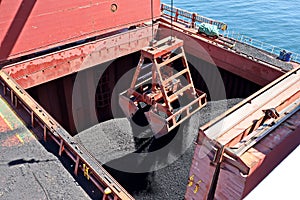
<point>29,26</point>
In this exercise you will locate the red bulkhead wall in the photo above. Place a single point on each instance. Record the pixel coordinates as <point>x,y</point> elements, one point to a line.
<point>28,26</point>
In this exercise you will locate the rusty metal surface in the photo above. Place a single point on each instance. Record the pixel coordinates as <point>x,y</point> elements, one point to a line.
<point>82,158</point>
<point>279,175</point>
<point>261,159</point>
<point>30,26</point>
<point>43,69</point>
<point>201,175</point>
<point>49,67</point>
<point>222,55</point>
<point>270,98</point>
<point>245,101</point>
<point>166,87</point>
<point>246,142</point>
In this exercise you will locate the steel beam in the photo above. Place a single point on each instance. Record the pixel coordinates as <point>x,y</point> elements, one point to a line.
<point>222,56</point>
<point>45,68</point>
<point>245,143</point>
<point>99,176</point>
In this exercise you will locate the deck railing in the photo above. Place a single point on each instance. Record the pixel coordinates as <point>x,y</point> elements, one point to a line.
<point>259,44</point>
<point>186,17</point>
<point>181,15</point>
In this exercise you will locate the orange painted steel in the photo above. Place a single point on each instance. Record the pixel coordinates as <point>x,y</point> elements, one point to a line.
<point>165,89</point>
<point>17,96</point>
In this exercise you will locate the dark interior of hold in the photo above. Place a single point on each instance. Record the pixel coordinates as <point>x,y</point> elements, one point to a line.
<point>91,96</point>
<point>96,93</point>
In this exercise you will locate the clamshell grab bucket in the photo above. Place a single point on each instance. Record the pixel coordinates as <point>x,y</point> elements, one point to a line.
<point>168,90</point>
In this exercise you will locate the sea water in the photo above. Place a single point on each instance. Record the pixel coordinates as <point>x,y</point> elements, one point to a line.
<point>274,22</point>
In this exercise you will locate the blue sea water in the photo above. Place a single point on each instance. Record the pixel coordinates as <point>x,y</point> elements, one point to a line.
<point>274,22</point>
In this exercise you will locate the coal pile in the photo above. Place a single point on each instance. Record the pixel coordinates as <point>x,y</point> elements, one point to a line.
<point>149,168</point>
<point>108,140</point>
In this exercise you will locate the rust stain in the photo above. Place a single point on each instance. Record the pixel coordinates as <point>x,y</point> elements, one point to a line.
<point>11,141</point>
<point>8,125</point>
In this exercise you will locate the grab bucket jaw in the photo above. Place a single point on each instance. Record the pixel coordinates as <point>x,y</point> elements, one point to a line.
<point>128,106</point>
<point>162,125</point>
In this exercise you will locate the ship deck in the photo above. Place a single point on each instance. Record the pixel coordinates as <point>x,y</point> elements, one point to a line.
<point>37,151</point>
<point>237,47</point>
<point>27,160</point>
